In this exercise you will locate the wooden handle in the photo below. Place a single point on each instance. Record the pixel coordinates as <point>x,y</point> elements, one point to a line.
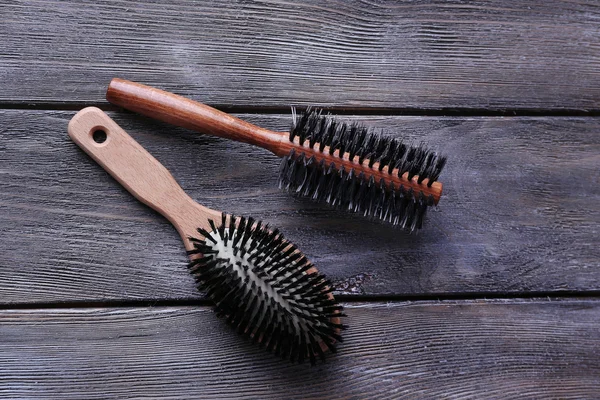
<point>178,110</point>
<point>140,173</point>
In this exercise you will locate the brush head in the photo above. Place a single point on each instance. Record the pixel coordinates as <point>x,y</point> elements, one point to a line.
<point>357,189</point>
<point>266,289</point>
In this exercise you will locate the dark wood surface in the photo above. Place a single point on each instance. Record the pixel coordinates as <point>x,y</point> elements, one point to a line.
<point>420,54</point>
<point>95,299</point>
<point>505,349</point>
<point>517,215</point>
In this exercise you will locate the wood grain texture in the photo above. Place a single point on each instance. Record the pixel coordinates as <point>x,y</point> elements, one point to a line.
<point>467,350</point>
<point>520,213</point>
<point>420,54</point>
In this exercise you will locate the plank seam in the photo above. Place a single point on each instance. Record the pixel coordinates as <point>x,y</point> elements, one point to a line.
<point>341,110</point>
<point>551,296</point>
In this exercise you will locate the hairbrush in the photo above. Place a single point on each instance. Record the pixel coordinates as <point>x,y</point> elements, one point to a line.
<point>259,282</point>
<point>345,165</point>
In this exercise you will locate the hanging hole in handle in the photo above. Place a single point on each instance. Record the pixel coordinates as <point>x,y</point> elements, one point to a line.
<point>99,135</point>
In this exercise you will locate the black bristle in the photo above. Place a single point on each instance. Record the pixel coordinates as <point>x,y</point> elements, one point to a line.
<point>437,170</point>
<point>261,285</point>
<point>348,189</point>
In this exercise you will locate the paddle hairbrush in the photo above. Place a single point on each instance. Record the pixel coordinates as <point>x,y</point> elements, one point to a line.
<point>326,160</point>
<point>260,283</point>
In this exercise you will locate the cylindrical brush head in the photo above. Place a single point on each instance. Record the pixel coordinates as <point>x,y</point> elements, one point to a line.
<point>356,188</point>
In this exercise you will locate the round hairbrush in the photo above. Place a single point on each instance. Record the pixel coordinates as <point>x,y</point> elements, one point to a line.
<point>260,283</point>
<point>344,165</point>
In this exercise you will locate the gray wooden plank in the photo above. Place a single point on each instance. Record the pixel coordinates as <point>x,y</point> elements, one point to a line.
<point>470,350</point>
<point>485,55</point>
<point>520,212</point>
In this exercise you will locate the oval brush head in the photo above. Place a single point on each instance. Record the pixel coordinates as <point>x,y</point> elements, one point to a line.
<point>266,289</point>
<point>358,190</point>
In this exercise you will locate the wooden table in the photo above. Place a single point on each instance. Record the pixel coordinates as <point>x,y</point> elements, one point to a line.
<point>499,295</point>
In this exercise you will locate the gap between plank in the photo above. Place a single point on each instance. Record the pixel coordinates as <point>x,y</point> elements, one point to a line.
<point>552,296</point>
<point>428,112</point>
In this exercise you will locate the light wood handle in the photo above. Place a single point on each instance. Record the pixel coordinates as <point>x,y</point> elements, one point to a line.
<point>178,110</point>
<point>140,173</point>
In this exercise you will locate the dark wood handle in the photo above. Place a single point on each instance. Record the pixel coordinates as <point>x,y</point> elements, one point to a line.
<point>178,110</point>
